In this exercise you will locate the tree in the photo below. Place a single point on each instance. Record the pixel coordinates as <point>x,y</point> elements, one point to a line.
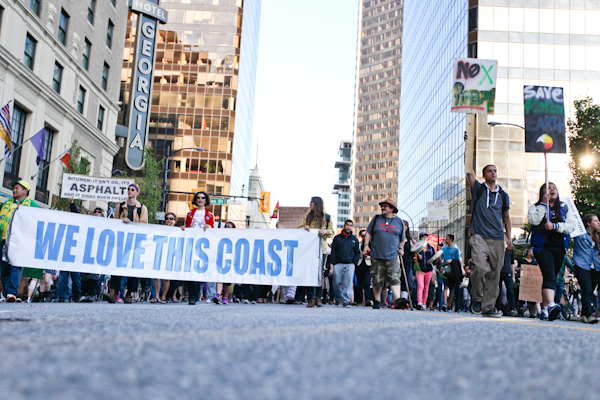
<point>151,185</point>
<point>77,165</point>
<point>584,143</point>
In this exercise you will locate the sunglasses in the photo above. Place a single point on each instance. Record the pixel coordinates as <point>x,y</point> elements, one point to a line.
<point>170,219</point>
<point>202,197</point>
<point>132,189</point>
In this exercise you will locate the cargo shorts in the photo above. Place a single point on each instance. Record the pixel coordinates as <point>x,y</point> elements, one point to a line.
<point>385,272</point>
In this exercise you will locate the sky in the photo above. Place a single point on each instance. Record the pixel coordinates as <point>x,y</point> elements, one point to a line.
<point>304,101</point>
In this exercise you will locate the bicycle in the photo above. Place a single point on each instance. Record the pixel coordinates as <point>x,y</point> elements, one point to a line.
<point>572,298</point>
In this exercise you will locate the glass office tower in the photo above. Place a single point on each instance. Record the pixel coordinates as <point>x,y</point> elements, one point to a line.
<point>377,106</point>
<point>203,95</point>
<point>536,42</point>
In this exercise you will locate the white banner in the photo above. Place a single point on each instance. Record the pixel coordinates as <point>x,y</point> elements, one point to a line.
<point>49,239</point>
<point>579,228</point>
<point>91,188</point>
<point>437,210</point>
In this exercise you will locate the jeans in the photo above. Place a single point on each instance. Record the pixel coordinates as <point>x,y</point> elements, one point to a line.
<point>211,290</point>
<point>63,287</point>
<point>510,292</point>
<point>560,287</point>
<point>439,292</point>
<point>194,291</point>
<point>342,275</point>
<point>587,279</point>
<point>11,276</point>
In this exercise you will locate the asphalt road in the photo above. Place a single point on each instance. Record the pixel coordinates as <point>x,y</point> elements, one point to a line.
<point>243,351</point>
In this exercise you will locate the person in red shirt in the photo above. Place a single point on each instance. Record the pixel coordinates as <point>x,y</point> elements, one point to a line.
<point>199,218</point>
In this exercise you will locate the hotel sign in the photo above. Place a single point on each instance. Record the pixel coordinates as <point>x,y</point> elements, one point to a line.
<point>149,15</point>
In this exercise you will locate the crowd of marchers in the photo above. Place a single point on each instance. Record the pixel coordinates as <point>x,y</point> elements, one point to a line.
<point>384,267</point>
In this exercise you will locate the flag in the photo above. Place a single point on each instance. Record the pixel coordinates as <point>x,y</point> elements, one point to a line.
<point>276,211</point>
<point>38,141</point>
<point>65,159</point>
<point>6,129</point>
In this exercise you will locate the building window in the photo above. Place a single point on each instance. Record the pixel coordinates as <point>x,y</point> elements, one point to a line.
<point>29,54</point>
<point>41,190</point>
<point>1,15</point>
<point>472,50</point>
<point>472,19</point>
<point>105,72</point>
<point>81,99</point>
<point>109,34</point>
<point>100,123</point>
<point>34,5</point>
<point>87,51</point>
<point>91,11</point>
<point>18,130</point>
<point>57,77</point>
<point>63,26</point>
<point>114,3</point>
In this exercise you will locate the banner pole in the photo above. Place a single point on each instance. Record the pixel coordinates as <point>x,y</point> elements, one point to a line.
<point>546,165</point>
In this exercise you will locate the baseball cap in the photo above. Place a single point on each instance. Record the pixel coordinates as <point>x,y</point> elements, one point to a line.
<point>22,183</point>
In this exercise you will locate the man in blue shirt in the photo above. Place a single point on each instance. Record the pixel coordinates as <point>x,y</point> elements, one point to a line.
<point>489,209</point>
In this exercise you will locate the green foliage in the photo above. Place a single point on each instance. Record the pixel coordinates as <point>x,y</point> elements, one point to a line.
<point>150,185</point>
<point>77,165</point>
<point>585,142</point>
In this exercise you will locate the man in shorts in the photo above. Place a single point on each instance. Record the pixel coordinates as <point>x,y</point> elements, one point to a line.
<point>384,241</point>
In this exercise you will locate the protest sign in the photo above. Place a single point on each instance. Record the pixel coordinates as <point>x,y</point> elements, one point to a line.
<point>291,217</point>
<point>437,210</point>
<point>49,239</point>
<point>85,187</point>
<point>544,119</point>
<point>530,288</point>
<point>579,227</point>
<point>434,240</point>
<point>474,86</point>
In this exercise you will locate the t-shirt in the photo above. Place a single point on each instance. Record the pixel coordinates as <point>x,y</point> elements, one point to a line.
<point>386,237</point>
<point>450,253</point>
<point>198,220</point>
<point>553,238</point>
<point>130,210</point>
<point>487,213</point>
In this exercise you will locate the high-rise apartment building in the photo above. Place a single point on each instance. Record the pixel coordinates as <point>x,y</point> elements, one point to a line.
<point>343,184</point>
<point>202,96</point>
<point>536,42</point>
<point>377,107</point>
<point>60,62</point>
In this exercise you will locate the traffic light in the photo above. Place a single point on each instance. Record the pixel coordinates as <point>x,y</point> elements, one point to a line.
<point>265,199</point>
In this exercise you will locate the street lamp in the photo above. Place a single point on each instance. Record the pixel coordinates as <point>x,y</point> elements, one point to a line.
<point>493,124</point>
<point>587,162</point>
<point>164,187</point>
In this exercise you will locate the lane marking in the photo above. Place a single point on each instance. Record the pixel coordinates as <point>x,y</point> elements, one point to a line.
<point>508,321</point>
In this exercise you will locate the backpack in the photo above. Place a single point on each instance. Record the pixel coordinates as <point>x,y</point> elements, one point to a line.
<point>139,210</point>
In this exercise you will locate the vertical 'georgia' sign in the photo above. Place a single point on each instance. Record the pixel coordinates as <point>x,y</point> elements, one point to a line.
<point>149,14</point>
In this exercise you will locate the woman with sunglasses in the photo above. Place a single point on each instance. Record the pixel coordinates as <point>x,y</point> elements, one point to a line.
<point>199,218</point>
<point>170,219</point>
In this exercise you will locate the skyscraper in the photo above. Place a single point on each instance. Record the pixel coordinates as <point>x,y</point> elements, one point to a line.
<point>548,43</point>
<point>203,95</point>
<point>377,107</point>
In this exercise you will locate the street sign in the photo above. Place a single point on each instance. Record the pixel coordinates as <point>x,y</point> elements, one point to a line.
<point>217,201</point>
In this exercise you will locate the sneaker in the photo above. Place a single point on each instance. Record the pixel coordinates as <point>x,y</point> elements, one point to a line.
<point>192,303</point>
<point>347,305</point>
<point>246,301</point>
<point>492,314</point>
<point>592,319</point>
<point>376,305</point>
<point>368,303</point>
<point>87,299</point>
<point>208,301</point>
<point>253,302</point>
<point>419,306</point>
<point>226,300</point>
<point>554,312</point>
<point>514,313</point>
<point>476,308</point>
<point>236,300</point>
<point>583,319</point>
<point>444,308</point>
<point>217,299</point>
<point>11,298</point>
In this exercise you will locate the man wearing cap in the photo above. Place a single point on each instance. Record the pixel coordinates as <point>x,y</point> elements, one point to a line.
<point>384,241</point>
<point>11,276</point>
<point>128,211</point>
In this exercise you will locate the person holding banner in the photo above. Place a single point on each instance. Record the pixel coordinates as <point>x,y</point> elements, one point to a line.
<point>587,265</point>
<point>316,218</point>
<point>128,211</point>
<point>170,219</point>
<point>550,240</point>
<point>489,208</point>
<point>11,276</point>
<point>199,218</point>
